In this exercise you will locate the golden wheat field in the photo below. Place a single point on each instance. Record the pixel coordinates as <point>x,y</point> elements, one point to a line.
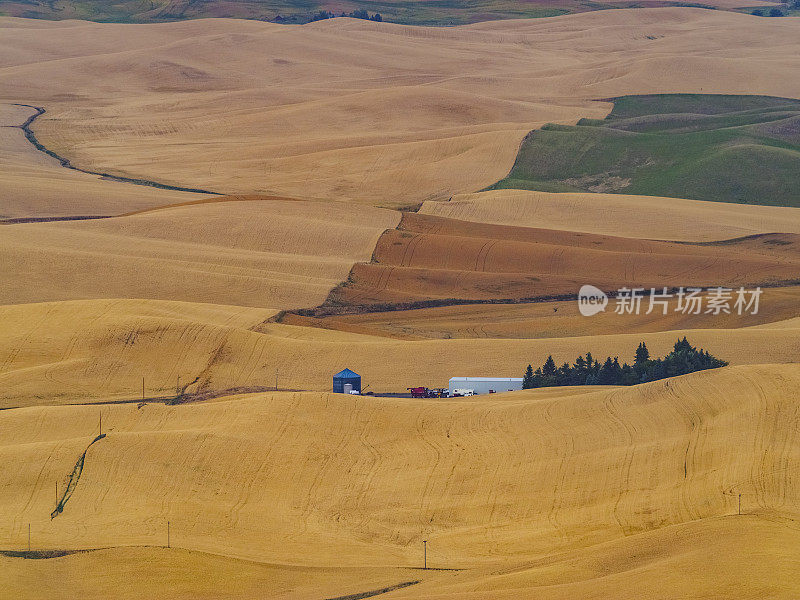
<point>33,184</point>
<point>547,319</point>
<point>262,252</point>
<point>381,113</point>
<point>672,219</point>
<point>100,350</point>
<point>370,478</point>
<point>255,207</point>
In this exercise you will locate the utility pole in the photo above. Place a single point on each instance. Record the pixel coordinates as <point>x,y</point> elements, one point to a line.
<point>425,555</point>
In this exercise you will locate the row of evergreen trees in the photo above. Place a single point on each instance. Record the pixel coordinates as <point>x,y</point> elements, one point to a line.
<point>359,13</point>
<point>683,359</point>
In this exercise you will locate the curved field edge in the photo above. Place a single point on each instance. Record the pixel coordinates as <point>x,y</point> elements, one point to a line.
<point>67,164</point>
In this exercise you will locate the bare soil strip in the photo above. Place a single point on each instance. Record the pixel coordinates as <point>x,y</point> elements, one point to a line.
<point>430,261</point>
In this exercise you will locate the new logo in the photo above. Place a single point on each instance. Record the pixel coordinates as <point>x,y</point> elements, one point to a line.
<point>591,300</point>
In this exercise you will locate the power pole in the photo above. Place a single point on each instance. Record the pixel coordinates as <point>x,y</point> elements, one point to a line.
<point>425,555</point>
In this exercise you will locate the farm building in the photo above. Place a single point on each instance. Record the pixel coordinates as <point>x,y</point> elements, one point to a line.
<point>346,381</point>
<point>485,385</point>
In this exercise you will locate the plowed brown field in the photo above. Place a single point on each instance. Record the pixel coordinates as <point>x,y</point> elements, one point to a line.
<point>434,258</point>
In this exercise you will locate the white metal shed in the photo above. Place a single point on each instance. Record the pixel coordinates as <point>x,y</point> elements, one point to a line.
<point>486,385</point>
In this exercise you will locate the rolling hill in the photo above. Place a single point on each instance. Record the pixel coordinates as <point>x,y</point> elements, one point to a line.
<point>100,350</point>
<point>619,215</point>
<point>430,260</point>
<point>548,319</point>
<point>34,185</point>
<point>628,491</point>
<point>347,109</point>
<point>743,149</point>
<point>251,251</point>
<point>345,157</point>
<point>412,12</point>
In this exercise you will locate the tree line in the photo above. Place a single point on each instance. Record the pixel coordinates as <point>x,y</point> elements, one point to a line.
<point>684,358</point>
<point>356,14</point>
<point>790,6</point>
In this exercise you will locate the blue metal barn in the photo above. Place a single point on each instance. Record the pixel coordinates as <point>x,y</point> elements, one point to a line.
<point>342,378</point>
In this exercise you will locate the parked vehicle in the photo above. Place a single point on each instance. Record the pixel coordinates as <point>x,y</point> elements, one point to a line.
<point>423,392</point>
<point>420,392</point>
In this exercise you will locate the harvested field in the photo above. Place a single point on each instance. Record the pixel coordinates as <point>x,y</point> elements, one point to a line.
<point>249,251</point>
<point>641,217</point>
<point>178,320</point>
<point>583,495</point>
<point>99,350</point>
<point>370,112</point>
<point>140,572</point>
<point>550,319</point>
<point>431,258</point>
<point>33,184</point>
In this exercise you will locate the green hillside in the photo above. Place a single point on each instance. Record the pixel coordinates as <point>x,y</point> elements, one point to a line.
<point>743,149</point>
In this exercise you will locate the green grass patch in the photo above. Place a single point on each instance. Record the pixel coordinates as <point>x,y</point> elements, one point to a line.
<point>743,149</point>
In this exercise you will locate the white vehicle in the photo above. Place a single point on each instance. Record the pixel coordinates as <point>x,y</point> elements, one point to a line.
<point>485,385</point>
<point>462,393</point>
